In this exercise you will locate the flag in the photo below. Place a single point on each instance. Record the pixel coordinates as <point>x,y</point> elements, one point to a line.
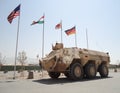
<point>58,26</point>
<point>71,31</point>
<point>37,22</point>
<point>42,17</point>
<point>40,21</point>
<point>34,22</point>
<point>14,14</point>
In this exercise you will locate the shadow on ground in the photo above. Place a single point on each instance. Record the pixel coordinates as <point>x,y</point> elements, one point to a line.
<point>63,80</point>
<point>7,81</point>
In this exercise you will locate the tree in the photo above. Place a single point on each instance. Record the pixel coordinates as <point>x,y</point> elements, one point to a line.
<point>22,58</point>
<point>2,60</point>
<point>118,63</point>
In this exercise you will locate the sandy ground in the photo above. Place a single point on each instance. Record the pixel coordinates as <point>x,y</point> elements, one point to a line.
<point>62,85</point>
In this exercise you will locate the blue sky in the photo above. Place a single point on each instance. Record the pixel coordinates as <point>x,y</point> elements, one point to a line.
<point>100,17</point>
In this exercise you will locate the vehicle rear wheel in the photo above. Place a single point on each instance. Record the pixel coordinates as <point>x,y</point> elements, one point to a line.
<point>103,70</point>
<point>76,71</point>
<point>90,71</point>
<point>54,75</point>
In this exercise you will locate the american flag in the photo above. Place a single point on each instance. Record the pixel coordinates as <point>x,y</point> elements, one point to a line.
<point>14,14</point>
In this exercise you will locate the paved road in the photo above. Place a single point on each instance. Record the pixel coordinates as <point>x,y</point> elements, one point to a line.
<point>62,85</point>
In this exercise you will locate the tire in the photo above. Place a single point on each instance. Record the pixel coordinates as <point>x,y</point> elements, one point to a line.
<point>90,71</point>
<point>67,73</point>
<point>54,75</point>
<point>76,71</point>
<point>103,70</point>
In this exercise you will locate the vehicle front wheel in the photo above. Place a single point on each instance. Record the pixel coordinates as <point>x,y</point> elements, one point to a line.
<point>76,71</point>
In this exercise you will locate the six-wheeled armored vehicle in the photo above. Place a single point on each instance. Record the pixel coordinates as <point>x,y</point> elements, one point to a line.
<point>75,63</point>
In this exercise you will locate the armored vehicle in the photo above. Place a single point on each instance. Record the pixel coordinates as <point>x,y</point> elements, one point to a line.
<point>75,63</point>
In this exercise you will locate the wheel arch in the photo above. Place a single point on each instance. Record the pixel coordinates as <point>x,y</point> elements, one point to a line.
<point>104,62</point>
<point>76,60</point>
<point>90,62</point>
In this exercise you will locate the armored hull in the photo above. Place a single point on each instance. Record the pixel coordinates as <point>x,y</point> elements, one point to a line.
<point>75,62</point>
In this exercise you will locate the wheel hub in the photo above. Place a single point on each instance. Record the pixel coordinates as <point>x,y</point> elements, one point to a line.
<point>77,71</point>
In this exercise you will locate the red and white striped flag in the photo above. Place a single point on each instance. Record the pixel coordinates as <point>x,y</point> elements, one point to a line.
<point>14,14</point>
<point>58,26</point>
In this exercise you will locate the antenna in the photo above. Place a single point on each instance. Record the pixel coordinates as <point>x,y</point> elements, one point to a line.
<point>87,39</point>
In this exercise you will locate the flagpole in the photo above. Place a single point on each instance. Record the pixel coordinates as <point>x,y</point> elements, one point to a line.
<point>16,47</point>
<point>61,32</point>
<point>43,38</point>
<point>43,42</point>
<point>75,38</point>
<point>87,38</point>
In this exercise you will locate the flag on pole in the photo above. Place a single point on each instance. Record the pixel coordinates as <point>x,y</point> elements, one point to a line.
<point>71,31</point>
<point>37,22</point>
<point>42,18</point>
<point>58,26</point>
<point>14,14</point>
<point>40,21</point>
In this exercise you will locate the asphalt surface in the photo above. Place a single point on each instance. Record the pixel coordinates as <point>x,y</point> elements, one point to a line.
<point>62,85</point>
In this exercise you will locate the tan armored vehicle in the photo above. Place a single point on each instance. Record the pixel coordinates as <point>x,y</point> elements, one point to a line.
<point>75,63</point>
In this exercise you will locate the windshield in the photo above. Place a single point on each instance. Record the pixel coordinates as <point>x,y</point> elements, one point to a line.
<point>51,53</point>
<point>54,52</point>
